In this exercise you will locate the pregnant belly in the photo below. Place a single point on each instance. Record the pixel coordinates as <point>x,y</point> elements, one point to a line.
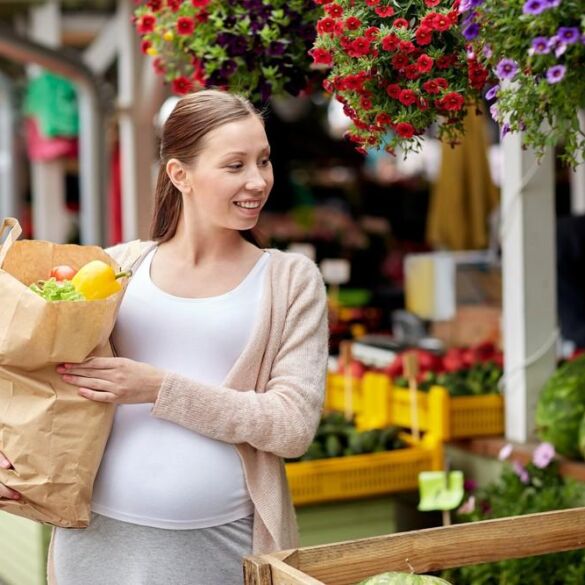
<point>158,473</point>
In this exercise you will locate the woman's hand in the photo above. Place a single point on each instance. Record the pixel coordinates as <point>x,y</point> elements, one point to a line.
<point>5,492</point>
<point>114,379</point>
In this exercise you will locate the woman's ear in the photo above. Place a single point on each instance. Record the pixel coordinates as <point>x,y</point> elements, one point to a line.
<point>178,175</point>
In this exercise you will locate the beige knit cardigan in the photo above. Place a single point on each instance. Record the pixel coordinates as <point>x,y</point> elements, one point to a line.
<point>270,403</point>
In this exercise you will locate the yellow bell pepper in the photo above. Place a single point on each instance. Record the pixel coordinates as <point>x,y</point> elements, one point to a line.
<point>97,280</point>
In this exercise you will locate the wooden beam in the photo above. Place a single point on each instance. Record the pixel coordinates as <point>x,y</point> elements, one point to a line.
<point>435,549</point>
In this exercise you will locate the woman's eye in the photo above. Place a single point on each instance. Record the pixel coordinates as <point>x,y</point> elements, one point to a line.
<point>235,167</point>
<point>266,162</point>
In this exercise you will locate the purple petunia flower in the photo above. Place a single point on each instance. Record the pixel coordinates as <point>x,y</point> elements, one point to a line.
<point>534,7</point>
<point>276,49</point>
<point>471,31</point>
<point>487,51</point>
<point>521,472</point>
<point>556,73</point>
<point>568,34</point>
<point>557,45</point>
<point>491,93</point>
<point>506,69</point>
<point>552,3</point>
<point>540,46</point>
<point>505,129</point>
<point>543,455</point>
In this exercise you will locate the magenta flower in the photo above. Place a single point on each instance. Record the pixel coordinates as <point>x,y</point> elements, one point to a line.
<point>568,34</point>
<point>534,7</point>
<point>491,93</point>
<point>506,69</point>
<point>521,472</point>
<point>540,46</point>
<point>543,455</point>
<point>555,73</point>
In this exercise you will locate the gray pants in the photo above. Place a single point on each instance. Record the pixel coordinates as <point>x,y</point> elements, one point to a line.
<point>110,552</point>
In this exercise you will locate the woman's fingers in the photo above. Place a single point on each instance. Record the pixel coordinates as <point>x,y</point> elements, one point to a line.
<point>6,492</point>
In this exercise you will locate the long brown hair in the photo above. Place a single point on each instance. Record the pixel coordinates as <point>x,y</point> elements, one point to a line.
<point>193,117</point>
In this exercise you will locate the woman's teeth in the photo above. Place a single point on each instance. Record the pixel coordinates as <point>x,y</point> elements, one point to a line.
<point>248,204</point>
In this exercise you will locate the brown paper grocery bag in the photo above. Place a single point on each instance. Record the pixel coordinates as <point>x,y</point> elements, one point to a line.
<point>54,438</point>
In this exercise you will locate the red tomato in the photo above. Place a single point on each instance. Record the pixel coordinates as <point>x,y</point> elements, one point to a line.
<point>63,272</point>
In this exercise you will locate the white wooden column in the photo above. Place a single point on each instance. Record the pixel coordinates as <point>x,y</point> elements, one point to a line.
<point>578,179</point>
<point>529,281</point>
<point>51,220</point>
<point>136,132</point>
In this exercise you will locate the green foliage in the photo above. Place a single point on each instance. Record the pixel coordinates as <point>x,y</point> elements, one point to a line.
<point>525,491</point>
<point>561,406</point>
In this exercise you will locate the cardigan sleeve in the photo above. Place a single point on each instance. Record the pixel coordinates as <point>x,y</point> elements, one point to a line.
<point>284,418</point>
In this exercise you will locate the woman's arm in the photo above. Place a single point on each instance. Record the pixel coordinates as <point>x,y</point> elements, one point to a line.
<point>283,419</point>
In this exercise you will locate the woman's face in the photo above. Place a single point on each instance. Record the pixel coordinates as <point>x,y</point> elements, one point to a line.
<point>231,179</point>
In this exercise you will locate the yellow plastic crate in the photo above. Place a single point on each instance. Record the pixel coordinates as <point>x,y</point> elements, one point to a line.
<point>449,417</point>
<point>338,388</point>
<point>359,476</point>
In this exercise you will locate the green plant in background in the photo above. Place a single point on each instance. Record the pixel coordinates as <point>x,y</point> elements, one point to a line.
<point>536,50</point>
<point>535,487</point>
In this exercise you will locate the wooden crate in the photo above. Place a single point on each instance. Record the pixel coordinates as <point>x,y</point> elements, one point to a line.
<point>421,551</point>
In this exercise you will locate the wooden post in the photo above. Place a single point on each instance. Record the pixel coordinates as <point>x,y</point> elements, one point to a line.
<point>50,217</point>
<point>529,296</point>
<point>578,178</point>
<point>346,357</point>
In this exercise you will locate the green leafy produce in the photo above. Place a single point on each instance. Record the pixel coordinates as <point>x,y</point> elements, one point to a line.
<point>561,406</point>
<point>338,437</point>
<point>395,578</point>
<point>55,290</point>
<point>477,380</point>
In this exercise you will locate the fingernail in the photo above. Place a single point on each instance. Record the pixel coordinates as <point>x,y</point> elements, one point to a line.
<point>4,463</point>
<point>15,496</point>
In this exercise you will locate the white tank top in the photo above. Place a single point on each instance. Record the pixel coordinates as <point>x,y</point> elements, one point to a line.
<point>155,472</point>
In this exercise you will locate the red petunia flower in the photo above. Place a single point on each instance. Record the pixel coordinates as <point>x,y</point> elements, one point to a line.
<point>404,129</point>
<point>431,86</point>
<point>321,57</point>
<point>390,42</point>
<point>446,61</point>
<point>200,3</point>
<point>399,61</point>
<point>407,97</point>
<point>182,85</point>
<point>432,3</point>
<point>366,103</point>
<point>452,102</point>
<point>442,23</point>
<point>372,32</point>
<point>158,66</point>
<point>372,3</point>
<point>360,47</point>
<point>407,47</point>
<point>146,24</point>
<point>352,23</point>
<point>424,63</point>
<point>145,45</point>
<point>384,11</point>
<point>400,23</point>
<point>154,5</point>
<point>411,71</point>
<point>326,26</point>
<point>383,119</point>
<point>334,10</point>
<point>423,35</point>
<point>174,5</point>
<point>393,90</point>
<point>185,25</point>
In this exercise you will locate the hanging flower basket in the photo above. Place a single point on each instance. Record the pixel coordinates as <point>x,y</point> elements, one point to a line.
<point>255,48</point>
<point>398,67</point>
<point>535,50</point>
